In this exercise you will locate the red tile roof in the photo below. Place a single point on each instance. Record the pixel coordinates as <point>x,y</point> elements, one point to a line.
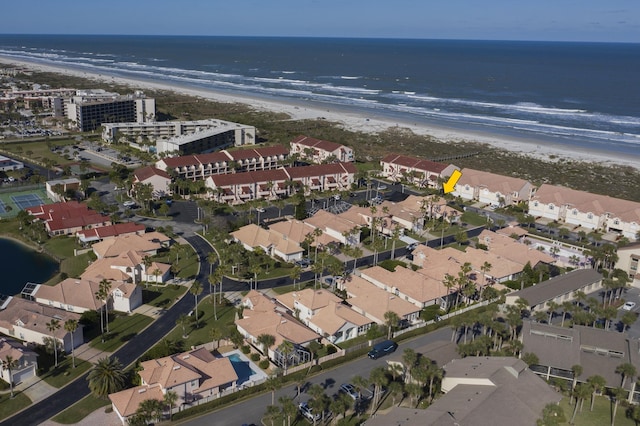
<point>317,143</point>
<point>145,173</point>
<point>320,170</point>
<point>249,177</point>
<point>113,230</point>
<point>416,163</point>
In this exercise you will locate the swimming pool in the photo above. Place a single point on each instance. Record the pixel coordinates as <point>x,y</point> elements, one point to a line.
<point>243,368</point>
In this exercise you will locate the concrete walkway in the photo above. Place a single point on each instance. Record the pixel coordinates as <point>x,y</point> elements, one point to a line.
<point>87,353</point>
<point>98,417</point>
<point>36,389</point>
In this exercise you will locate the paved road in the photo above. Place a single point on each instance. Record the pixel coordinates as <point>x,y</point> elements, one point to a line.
<point>252,410</point>
<point>128,354</point>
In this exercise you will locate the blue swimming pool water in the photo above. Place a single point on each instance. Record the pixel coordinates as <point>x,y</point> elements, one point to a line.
<point>242,368</point>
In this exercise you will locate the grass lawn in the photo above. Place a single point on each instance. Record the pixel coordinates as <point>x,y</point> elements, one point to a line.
<point>201,335</point>
<point>40,151</point>
<point>64,373</point>
<point>601,414</point>
<point>473,218</point>
<point>61,246</point>
<point>187,260</point>
<point>288,288</point>
<point>10,406</point>
<point>162,296</point>
<point>79,411</point>
<point>121,330</point>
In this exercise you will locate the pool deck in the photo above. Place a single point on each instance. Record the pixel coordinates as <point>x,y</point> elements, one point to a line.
<point>254,379</point>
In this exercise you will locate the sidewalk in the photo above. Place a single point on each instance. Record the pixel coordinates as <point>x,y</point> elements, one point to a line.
<point>87,353</point>
<point>36,389</point>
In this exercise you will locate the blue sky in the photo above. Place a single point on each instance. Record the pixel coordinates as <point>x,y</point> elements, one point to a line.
<point>570,20</point>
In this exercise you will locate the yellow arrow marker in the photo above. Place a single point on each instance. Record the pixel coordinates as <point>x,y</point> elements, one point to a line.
<point>451,183</point>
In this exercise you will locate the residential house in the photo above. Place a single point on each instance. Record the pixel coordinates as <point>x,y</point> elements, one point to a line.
<point>201,166</point>
<point>128,267</point>
<point>57,189</point>
<point>298,231</point>
<point>324,313</point>
<point>320,151</point>
<point>419,172</point>
<point>262,316</point>
<point>193,375</point>
<point>586,210</point>
<point>490,188</point>
<point>68,218</point>
<point>78,295</point>
<point>437,263</point>
<point>439,352</point>
<point>480,391</point>
<point>514,250</point>
<point>273,243</point>
<point>562,288</point>
<point>26,361</point>
<point>159,180</point>
<point>148,243</point>
<point>87,236</point>
<point>373,302</point>
<point>126,402</point>
<point>412,286</point>
<point>628,259</point>
<point>336,227</point>
<point>597,351</point>
<point>238,188</point>
<point>27,320</point>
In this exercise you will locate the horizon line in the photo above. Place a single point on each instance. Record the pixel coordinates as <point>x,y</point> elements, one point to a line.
<point>323,37</point>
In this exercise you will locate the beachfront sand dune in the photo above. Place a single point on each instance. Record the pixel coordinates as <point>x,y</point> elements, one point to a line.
<point>357,122</point>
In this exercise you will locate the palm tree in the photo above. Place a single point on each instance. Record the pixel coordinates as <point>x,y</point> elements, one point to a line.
<point>597,384</point>
<point>9,364</point>
<point>196,289</point>
<point>626,370</point>
<point>216,334</point>
<point>391,320</point>
<point>485,268</point>
<point>146,261</point>
<point>577,371</point>
<point>286,348</point>
<point>272,413</point>
<point>104,290</point>
<point>415,391</point>
<point>395,389</point>
<point>288,407</point>
<point>150,410</point>
<point>378,377</point>
<point>266,341</point>
<point>618,395</point>
<point>273,383</point>
<point>156,274</point>
<point>183,321</point>
<point>106,377</point>
<point>71,326</point>
<point>170,398</point>
<point>410,359</point>
<point>295,274</point>
<point>52,326</point>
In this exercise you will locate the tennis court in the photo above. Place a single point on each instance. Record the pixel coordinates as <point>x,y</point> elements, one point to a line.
<point>27,200</point>
<point>2,209</point>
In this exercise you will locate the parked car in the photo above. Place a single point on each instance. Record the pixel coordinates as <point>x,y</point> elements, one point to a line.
<point>305,263</point>
<point>629,306</point>
<point>129,203</point>
<point>383,348</point>
<point>350,390</point>
<point>308,412</point>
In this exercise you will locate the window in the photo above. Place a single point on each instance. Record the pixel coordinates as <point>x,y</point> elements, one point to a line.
<point>590,216</point>
<point>575,212</point>
<point>634,265</point>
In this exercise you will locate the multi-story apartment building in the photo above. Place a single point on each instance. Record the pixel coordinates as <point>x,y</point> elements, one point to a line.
<point>89,109</point>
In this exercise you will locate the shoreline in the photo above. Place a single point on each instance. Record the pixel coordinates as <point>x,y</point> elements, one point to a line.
<point>357,121</point>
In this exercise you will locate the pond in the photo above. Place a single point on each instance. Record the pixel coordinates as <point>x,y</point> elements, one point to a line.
<point>21,264</point>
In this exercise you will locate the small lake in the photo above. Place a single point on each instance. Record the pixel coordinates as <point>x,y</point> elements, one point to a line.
<point>21,265</point>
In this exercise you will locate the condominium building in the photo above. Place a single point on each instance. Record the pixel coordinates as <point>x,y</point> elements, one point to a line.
<point>89,109</point>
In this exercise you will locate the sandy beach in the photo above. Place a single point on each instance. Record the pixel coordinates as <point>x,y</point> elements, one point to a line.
<point>354,121</point>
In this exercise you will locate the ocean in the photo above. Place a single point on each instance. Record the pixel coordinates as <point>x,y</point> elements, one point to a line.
<point>583,95</point>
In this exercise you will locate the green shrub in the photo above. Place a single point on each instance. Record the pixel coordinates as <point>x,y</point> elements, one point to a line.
<point>245,349</point>
<point>255,357</point>
<point>331,350</point>
<point>264,364</point>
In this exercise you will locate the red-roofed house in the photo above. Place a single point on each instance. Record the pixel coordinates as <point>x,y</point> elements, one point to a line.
<point>159,180</point>
<point>111,231</point>
<point>422,173</point>
<point>201,166</point>
<point>68,218</point>
<point>319,151</point>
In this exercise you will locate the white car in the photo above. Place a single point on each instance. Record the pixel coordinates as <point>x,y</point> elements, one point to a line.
<point>129,203</point>
<point>629,306</point>
<point>308,412</point>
